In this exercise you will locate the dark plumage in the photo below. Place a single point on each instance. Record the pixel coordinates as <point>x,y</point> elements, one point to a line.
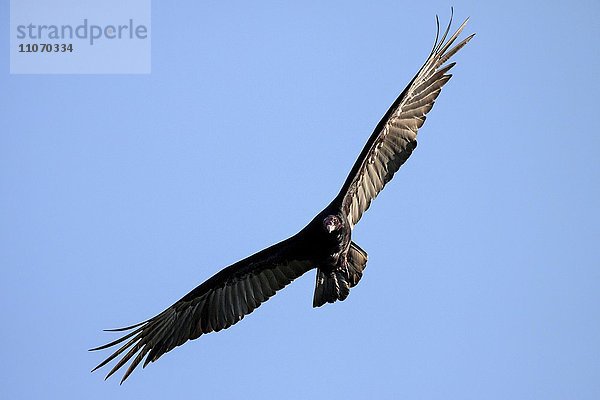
<point>325,243</point>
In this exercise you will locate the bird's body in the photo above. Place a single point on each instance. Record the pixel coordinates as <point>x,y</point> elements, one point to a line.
<point>324,244</point>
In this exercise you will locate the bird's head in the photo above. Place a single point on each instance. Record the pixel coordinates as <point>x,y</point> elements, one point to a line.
<point>332,223</point>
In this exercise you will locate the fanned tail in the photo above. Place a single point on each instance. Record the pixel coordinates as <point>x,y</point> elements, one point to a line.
<point>335,284</point>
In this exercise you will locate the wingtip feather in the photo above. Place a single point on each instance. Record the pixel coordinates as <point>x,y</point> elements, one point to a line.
<point>125,328</point>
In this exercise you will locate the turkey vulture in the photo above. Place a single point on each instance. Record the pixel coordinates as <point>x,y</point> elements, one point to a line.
<point>325,243</point>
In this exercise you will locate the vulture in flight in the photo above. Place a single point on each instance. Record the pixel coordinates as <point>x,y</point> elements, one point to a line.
<point>325,244</point>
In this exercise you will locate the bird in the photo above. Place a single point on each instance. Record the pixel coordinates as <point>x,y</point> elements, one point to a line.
<point>325,244</point>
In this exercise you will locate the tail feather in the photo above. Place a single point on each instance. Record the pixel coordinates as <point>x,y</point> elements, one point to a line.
<point>357,262</point>
<point>335,284</point>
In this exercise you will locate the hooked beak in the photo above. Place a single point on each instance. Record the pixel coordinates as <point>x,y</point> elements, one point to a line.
<point>330,227</point>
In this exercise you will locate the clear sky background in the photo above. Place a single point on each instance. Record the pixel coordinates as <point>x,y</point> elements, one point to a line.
<point>120,193</point>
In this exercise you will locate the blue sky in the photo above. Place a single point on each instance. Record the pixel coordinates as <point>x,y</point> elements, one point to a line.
<point>120,193</point>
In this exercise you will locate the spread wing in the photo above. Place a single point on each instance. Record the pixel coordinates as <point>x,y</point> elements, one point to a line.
<point>216,304</point>
<point>395,137</point>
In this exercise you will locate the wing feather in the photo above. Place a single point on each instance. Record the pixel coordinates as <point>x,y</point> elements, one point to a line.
<point>395,137</point>
<point>217,304</point>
